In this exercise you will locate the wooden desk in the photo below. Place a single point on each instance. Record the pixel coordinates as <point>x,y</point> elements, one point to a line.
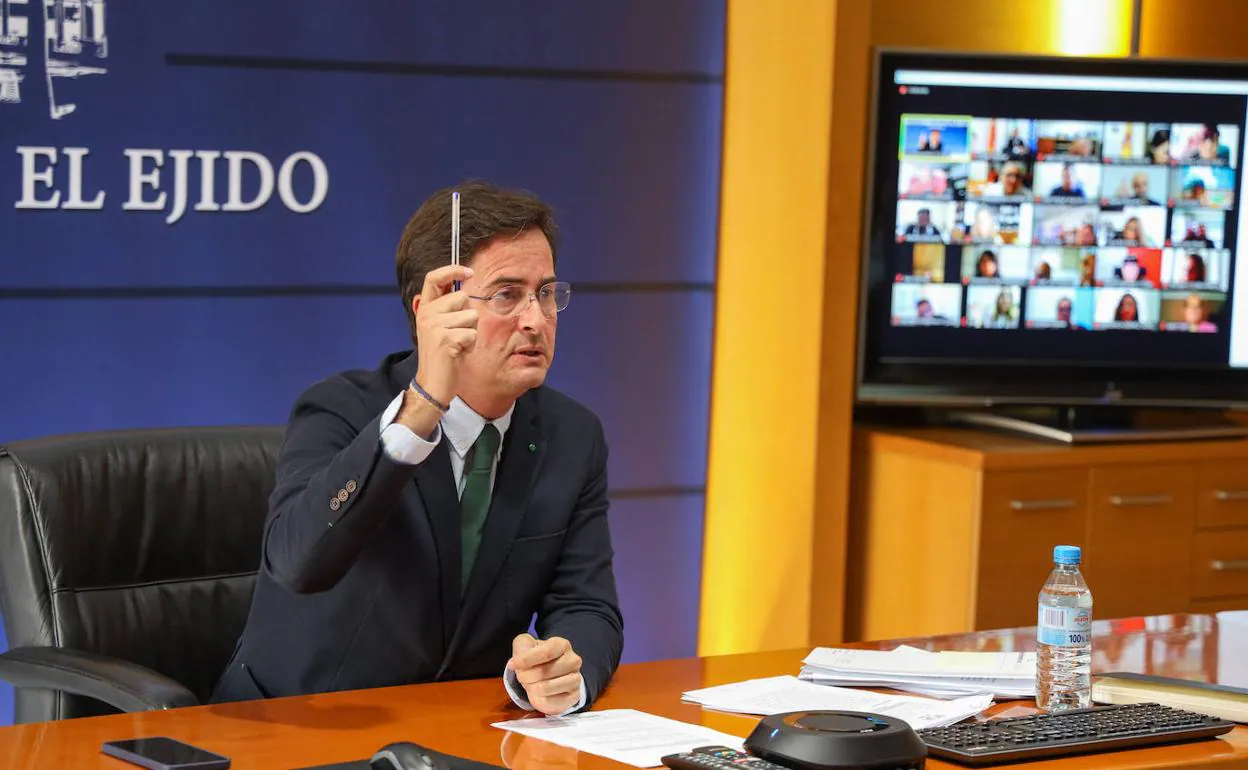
<point>454,717</point>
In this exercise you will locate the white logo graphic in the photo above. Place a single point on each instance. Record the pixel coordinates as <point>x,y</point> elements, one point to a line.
<point>72,33</point>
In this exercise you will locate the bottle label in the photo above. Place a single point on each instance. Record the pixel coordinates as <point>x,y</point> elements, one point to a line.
<point>1064,626</point>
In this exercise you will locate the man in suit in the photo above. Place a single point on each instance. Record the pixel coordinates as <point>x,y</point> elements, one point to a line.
<point>426,510</point>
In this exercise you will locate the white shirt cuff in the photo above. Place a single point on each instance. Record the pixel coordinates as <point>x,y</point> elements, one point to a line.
<point>512,685</point>
<point>399,442</point>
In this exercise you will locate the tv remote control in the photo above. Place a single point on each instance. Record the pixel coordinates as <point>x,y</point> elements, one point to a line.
<point>717,758</point>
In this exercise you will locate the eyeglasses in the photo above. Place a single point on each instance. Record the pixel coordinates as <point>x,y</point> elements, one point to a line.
<point>513,300</point>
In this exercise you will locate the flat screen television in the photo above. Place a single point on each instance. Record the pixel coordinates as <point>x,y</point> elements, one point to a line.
<point>1054,231</point>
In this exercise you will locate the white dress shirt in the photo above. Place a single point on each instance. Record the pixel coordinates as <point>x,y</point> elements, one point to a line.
<point>461,426</point>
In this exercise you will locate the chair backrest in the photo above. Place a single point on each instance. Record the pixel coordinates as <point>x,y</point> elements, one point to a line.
<point>141,544</point>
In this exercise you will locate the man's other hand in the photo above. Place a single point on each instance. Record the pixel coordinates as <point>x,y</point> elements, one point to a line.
<point>549,670</point>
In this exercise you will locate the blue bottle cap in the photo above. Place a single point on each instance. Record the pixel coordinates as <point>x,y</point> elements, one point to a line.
<point>1067,554</point>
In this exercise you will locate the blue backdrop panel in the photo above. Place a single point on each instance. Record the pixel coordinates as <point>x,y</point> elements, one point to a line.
<point>610,110</point>
<point>669,586</point>
<point>642,361</point>
<point>245,360</point>
<point>654,36</point>
<point>570,142</point>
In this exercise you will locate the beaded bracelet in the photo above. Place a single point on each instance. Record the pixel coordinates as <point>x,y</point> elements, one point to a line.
<point>443,408</point>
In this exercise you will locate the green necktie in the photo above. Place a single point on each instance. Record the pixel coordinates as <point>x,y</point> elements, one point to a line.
<point>474,503</point>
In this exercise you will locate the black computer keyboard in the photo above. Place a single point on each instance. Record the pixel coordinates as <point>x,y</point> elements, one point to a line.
<point>1100,728</point>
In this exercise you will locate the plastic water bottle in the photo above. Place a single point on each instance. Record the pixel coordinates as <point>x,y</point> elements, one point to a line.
<point>1064,636</point>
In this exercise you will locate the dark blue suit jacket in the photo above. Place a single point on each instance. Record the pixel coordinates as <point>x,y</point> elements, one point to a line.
<point>360,580</point>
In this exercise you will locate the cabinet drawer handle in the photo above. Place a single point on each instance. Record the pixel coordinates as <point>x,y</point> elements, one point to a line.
<point>1127,501</point>
<point>1225,566</point>
<point>1041,505</point>
<point>1231,495</point>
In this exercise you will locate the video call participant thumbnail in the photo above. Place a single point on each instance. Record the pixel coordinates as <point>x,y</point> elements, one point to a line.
<point>1068,140</point>
<point>924,221</point>
<point>995,264</point>
<point>932,181</point>
<point>1057,225</point>
<point>1087,268</point>
<point>1132,226</point>
<point>1204,144</point>
<point>1066,182</point>
<point>1135,186</point>
<point>993,307</point>
<point>926,137</point>
<point>937,304</point>
<point>1005,181</point>
<point>1002,139</point>
<point>927,263</point>
<point>1197,227</point>
<point>1129,267</point>
<point>1056,266</point>
<point>1195,269</point>
<point>1127,308</point>
<point>1125,143</point>
<point>1060,307</point>
<point>1211,187</point>
<point>995,223</point>
<point>1158,148</point>
<point>1191,311</point>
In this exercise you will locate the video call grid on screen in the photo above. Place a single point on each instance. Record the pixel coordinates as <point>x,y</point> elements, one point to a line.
<point>1088,209</point>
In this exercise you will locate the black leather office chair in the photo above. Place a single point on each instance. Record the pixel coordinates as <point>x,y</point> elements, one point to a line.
<point>127,561</point>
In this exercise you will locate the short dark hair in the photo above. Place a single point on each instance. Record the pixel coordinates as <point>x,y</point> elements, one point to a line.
<point>486,212</point>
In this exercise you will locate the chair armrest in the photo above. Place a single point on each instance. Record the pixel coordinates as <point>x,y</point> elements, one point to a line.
<point>120,684</point>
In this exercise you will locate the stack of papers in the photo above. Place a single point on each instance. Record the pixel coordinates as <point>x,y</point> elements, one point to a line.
<point>780,694</point>
<point>1004,675</point>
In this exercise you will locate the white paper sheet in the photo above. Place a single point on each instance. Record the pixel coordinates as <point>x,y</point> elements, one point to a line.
<point>778,694</point>
<point>936,686</point>
<point>624,735</point>
<point>1005,665</point>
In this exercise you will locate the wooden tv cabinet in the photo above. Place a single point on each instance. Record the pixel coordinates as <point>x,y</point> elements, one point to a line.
<point>952,530</point>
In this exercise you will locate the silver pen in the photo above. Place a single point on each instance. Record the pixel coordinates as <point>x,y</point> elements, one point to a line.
<point>455,234</point>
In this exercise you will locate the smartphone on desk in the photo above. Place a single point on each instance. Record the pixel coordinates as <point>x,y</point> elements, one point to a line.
<point>165,754</point>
